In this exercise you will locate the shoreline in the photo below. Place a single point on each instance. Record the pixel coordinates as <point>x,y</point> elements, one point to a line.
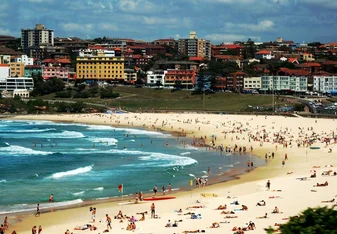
<point>232,174</point>
<point>242,184</point>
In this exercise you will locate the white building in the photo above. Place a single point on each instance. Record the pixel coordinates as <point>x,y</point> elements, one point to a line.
<point>324,84</point>
<point>4,71</point>
<point>24,93</point>
<point>16,83</point>
<point>284,83</point>
<point>23,59</point>
<point>252,83</point>
<point>155,76</point>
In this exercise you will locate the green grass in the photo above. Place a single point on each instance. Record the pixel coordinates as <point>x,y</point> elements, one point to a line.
<point>136,98</point>
<point>132,98</point>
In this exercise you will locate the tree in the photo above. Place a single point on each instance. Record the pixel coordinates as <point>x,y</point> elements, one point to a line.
<point>203,82</point>
<point>177,85</point>
<point>312,220</point>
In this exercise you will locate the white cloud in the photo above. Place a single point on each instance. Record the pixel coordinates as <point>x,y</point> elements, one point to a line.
<point>140,6</point>
<point>320,3</point>
<point>40,1</point>
<point>108,26</point>
<point>217,37</point>
<point>73,27</point>
<point>159,20</point>
<point>265,25</point>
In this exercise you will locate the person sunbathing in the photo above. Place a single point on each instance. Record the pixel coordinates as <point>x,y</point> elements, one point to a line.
<point>276,210</point>
<point>180,211</point>
<point>316,167</point>
<point>195,231</point>
<point>189,213</point>
<point>290,172</point>
<point>215,225</point>
<point>276,190</point>
<point>230,217</point>
<point>329,201</point>
<point>313,175</point>
<point>322,185</point>
<point>263,217</point>
<point>132,219</point>
<point>227,212</point>
<point>274,197</point>
<point>168,224</point>
<point>221,207</point>
<point>235,203</point>
<point>261,203</point>
<point>277,224</point>
<point>195,207</point>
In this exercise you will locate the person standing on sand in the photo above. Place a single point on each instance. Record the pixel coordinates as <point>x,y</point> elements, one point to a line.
<point>153,211</point>
<point>208,171</point>
<point>268,185</point>
<point>163,189</point>
<point>93,214</point>
<point>169,188</point>
<point>37,210</point>
<point>34,230</point>
<point>40,229</point>
<point>155,189</point>
<point>108,220</point>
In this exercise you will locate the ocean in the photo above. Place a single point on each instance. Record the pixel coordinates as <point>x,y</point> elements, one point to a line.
<point>77,162</point>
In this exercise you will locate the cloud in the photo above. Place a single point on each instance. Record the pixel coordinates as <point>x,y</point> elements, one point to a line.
<point>159,20</point>
<point>108,26</point>
<point>73,27</point>
<point>139,6</point>
<point>5,32</point>
<point>217,37</point>
<point>328,4</point>
<point>263,26</point>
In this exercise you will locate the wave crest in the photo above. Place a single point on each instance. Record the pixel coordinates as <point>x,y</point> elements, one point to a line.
<point>74,172</point>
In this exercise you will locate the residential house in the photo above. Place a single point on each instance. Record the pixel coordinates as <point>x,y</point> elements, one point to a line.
<point>264,54</point>
<point>130,76</point>
<point>22,59</point>
<point>306,57</point>
<point>17,69</point>
<point>310,67</point>
<point>165,42</point>
<point>227,49</point>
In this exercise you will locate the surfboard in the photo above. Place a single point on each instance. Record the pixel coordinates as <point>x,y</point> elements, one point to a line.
<point>157,198</point>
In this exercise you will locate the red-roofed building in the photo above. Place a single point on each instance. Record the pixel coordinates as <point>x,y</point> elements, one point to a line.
<point>137,60</point>
<point>196,59</point>
<point>58,72</point>
<point>264,54</point>
<point>56,62</point>
<point>226,57</point>
<point>307,57</point>
<point>309,67</point>
<point>292,72</point>
<point>220,83</point>
<point>293,60</point>
<point>230,49</point>
<point>235,81</point>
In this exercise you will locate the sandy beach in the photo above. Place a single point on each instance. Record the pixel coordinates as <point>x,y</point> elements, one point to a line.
<point>287,143</point>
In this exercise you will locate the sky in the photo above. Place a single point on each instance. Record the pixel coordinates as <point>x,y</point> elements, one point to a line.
<point>219,21</point>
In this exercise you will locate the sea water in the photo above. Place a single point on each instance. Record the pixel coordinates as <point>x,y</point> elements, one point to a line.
<point>77,162</point>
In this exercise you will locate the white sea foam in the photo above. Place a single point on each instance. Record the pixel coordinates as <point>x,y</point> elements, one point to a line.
<point>99,188</point>
<point>77,171</point>
<point>78,193</point>
<point>192,175</point>
<point>68,134</point>
<point>34,130</point>
<point>143,132</point>
<point>185,153</point>
<point>31,207</point>
<point>110,141</point>
<point>167,160</point>
<point>230,165</point>
<point>99,127</point>
<point>3,181</point>
<point>22,151</point>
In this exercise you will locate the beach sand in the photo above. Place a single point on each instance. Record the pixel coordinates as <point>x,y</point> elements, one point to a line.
<point>290,194</point>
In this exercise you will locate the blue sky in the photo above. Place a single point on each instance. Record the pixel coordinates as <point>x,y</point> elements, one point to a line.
<point>216,20</point>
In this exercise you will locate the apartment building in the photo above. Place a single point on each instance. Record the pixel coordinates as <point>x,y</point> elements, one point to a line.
<point>186,77</point>
<point>36,37</point>
<point>324,84</point>
<point>16,83</point>
<point>17,69</point>
<point>235,81</point>
<point>31,70</point>
<point>55,71</point>
<point>252,83</point>
<point>284,84</point>
<point>194,47</point>
<point>100,67</point>
<point>130,76</point>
